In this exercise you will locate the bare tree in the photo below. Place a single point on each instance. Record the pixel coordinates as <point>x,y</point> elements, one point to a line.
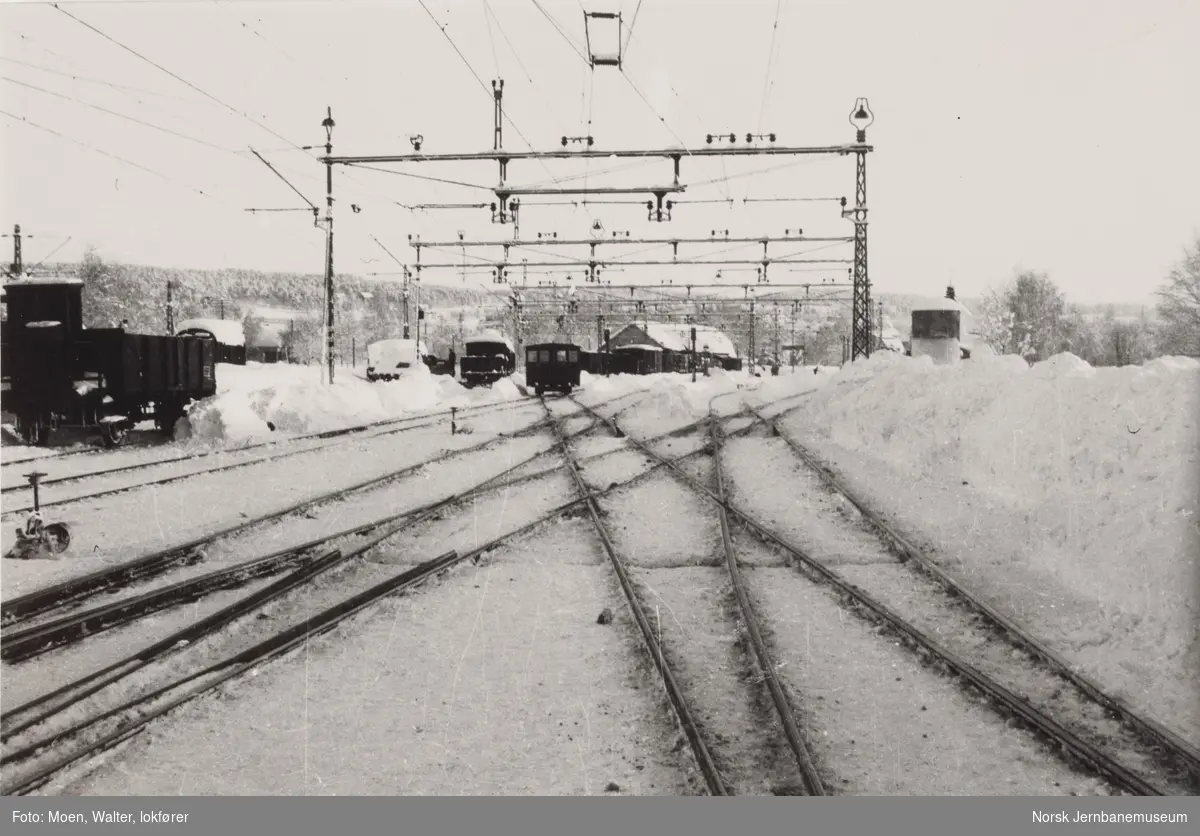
<point>994,319</point>
<point>252,328</point>
<point>1179,305</point>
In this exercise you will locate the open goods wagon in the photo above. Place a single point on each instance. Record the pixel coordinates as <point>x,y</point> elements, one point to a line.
<point>58,374</point>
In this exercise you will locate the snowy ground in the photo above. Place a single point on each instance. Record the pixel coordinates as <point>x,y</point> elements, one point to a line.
<point>1063,495</point>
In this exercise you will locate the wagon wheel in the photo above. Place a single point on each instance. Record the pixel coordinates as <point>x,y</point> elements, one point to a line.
<point>165,418</point>
<point>34,430</point>
<point>114,434</point>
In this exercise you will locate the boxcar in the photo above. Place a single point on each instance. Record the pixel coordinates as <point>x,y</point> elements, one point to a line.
<point>57,373</point>
<point>552,366</point>
<point>487,359</point>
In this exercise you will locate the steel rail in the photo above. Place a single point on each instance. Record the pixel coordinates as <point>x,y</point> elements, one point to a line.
<point>264,651</point>
<point>205,453</point>
<point>1157,732</point>
<point>156,563</point>
<point>712,777</point>
<point>804,760</point>
<point>1012,702</point>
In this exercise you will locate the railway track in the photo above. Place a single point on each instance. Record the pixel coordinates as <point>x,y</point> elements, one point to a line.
<point>806,778</point>
<point>39,638</point>
<point>31,763</point>
<point>96,451</point>
<point>80,589</point>
<point>408,422</point>
<point>1092,750</point>
<point>1145,738</point>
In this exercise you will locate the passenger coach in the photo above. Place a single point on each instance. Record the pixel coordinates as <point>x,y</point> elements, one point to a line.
<point>552,366</point>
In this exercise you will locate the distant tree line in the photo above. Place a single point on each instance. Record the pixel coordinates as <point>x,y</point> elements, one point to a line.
<point>364,311</point>
<point>1029,316</point>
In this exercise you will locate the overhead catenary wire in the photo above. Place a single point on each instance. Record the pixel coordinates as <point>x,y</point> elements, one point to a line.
<point>629,37</point>
<point>120,115</point>
<point>25,121</point>
<point>178,78</point>
<point>767,84</point>
<point>484,87</point>
<point>122,88</point>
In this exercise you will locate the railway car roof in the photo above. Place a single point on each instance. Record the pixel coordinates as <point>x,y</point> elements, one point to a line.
<point>491,337</point>
<point>43,280</point>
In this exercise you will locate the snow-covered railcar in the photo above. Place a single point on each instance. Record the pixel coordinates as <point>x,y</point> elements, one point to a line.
<point>486,359</point>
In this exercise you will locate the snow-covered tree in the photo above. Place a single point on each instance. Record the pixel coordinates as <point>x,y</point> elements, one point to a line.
<point>1179,305</point>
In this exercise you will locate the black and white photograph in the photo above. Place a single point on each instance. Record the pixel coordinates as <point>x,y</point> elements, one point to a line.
<point>604,398</point>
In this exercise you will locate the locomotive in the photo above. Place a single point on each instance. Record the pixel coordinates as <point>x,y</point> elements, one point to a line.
<point>57,373</point>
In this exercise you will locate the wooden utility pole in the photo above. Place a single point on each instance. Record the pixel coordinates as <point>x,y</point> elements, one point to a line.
<point>17,267</point>
<point>327,124</point>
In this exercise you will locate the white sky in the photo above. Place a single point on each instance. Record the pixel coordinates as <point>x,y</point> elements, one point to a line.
<point>1052,135</point>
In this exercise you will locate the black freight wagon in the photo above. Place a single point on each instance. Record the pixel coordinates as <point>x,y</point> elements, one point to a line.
<point>552,366</point>
<point>59,374</point>
<point>487,359</point>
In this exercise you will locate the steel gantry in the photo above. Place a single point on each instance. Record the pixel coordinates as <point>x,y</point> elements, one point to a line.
<point>507,205</point>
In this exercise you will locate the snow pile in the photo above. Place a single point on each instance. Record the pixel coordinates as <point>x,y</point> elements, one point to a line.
<point>294,399</point>
<point>1100,461</point>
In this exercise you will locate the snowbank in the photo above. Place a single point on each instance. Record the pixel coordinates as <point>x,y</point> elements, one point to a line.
<point>1101,463</point>
<point>294,399</point>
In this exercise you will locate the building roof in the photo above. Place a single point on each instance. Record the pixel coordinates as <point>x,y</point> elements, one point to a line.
<point>225,331</point>
<point>637,348</point>
<point>677,337</point>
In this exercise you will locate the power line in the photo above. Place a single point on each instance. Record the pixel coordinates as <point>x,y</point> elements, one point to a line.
<point>119,115</point>
<point>174,76</point>
<point>762,112</point>
<point>23,120</point>
<point>139,166</point>
<point>633,23</point>
<point>87,79</point>
<point>284,179</point>
<point>486,91</point>
<point>541,96</point>
<point>554,23</point>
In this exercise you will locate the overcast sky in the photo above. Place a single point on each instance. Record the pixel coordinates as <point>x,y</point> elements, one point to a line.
<point>1056,135</point>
